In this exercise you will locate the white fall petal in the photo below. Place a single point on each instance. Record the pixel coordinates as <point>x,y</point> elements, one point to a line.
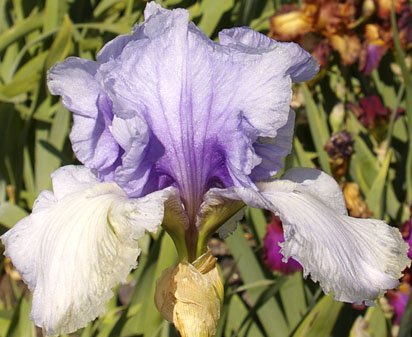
<point>355,259</point>
<point>78,243</point>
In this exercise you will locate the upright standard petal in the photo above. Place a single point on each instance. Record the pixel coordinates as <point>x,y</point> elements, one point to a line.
<point>78,243</point>
<point>355,259</point>
<point>76,81</point>
<point>215,109</point>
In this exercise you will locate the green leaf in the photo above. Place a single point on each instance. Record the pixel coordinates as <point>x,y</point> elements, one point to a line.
<point>407,78</point>
<point>148,320</point>
<point>115,28</point>
<point>20,324</point>
<point>393,206</point>
<point>6,64</point>
<point>26,78</point>
<point>5,320</point>
<point>405,328</point>
<point>353,125</point>
<point>318,128</point>
<point>377,322</point>
<point>105,5</point>
<point>20,29</point>
<point>270,313</point>
<point>292,294</point>
<point>364,165</point>
<point>212,11</point>
<point>320,320</point>
<point>375,197</point>
<point>262,23</point>
<point>62,44</point>
<point>10,214</point>
<point>48,148</point>
<point>236,312</point>
<point>387,92</point>
<point>400,129</point>
<point>54,14</point>
<point>60,129</point>
<point>372,325</point>
<point>304,158</point>
<point>28,177</point>
<point>258,221</point>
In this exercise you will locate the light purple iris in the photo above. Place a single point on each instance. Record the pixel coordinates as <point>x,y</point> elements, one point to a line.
<point>178,131</point>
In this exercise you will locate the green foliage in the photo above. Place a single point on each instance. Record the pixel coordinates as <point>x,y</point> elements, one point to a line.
<point>34,127</point>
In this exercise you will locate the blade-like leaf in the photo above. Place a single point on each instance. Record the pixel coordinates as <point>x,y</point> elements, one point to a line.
<point>318,128</point>
<point>320,320</point>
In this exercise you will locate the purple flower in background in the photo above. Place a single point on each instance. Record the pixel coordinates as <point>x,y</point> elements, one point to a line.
<point>176,130</point>
<point>398,299</point>
<point>371,56</point>
<point>273,256</point>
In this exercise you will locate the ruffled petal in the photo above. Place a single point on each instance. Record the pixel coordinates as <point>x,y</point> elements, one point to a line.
<point>303,66</point>
<point>114,48</point>
<point>77,245</point>
<point>141,151</point>
<point>206,103</point>
<point>75,80</point>
<point>355,259</point>
<point>272,151</point>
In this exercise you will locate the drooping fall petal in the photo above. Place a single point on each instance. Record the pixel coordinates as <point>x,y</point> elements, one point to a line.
<point>336,250</point>
<point>79,242</point>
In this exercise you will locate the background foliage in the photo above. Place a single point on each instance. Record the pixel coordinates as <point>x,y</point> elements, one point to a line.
<point>34,129</point>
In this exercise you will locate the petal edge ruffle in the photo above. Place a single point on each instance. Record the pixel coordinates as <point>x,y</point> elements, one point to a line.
<point>355,259</point>
<point>76,246</point>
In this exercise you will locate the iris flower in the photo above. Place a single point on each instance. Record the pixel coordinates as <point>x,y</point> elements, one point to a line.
<point>178,131</point>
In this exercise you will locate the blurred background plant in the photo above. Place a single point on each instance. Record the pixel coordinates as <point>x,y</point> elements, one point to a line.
<point>354,120</point>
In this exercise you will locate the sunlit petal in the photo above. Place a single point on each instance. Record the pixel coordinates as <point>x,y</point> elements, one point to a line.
<point>76,81</point>
<point>78,243</point>
<point>356,259</point>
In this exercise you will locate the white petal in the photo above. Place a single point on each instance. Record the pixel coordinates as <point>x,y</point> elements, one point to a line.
<point>356,259</point>
<point>319,184</point>
<point>76,246</point>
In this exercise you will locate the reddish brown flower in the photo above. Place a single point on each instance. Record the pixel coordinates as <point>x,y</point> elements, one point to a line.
<point>292,22</point>
<point>334,16</point>
<point>339,148</point>
<point>348,47</point>
<point>370,111</point>
<point>321,52</point>
<point>384,7</point>
<point>330,22</point>
<point>322,25</point>
<point>405,26</point>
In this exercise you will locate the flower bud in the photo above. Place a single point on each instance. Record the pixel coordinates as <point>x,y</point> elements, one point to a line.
<point>356,206</point>
<point>337,115</point>
<point>368,8</point>
<point>190,296</point>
